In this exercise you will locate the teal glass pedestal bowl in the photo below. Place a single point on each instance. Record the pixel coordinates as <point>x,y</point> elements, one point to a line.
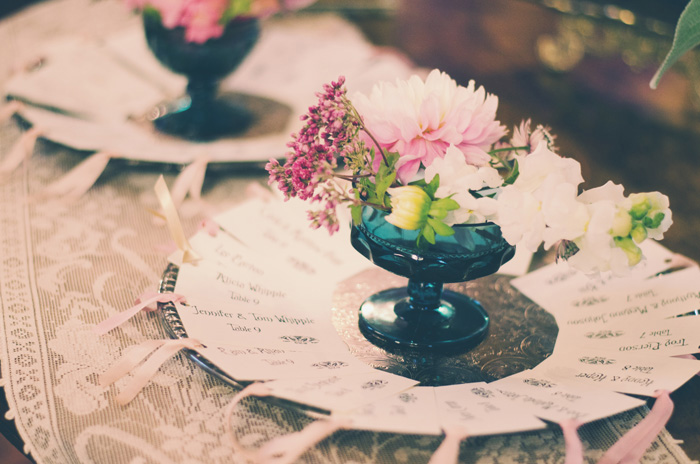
<point>422,316</point>
<point>202,114</point>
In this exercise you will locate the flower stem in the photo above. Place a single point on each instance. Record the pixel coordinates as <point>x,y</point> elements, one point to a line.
<point>351,178</point>
<point>498,150</point>
<point>374,205</point>
<point>502,162</point>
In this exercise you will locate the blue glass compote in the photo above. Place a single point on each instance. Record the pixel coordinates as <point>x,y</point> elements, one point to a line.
<point>200,114</point>
<point>422,316</point>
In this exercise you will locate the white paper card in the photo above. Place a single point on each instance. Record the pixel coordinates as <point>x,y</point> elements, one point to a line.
<point>669,337</point>
<point>107,91</point>
<point>625,373</point>
<point>644,301</point>
<point>412,411</point>
<point>551,285</point>
<point>245,363</point>
<point>519,264</point>
<point>235,297</point>
<point>282,229</point>
<point>556,401</point>
<point>482,410</point>
<point>341,393</point>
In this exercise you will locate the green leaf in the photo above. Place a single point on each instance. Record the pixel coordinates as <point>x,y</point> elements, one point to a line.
<point>446,203</point>
<point>235,8</point>
<point>392,158</point>
<point>383,182</point>
<point>437,213</point>
<point>429,234</point>
<point>440,227</point>
<point>686,37</point>
<point>356,212</point>
<point>513,174</point>
<point>432,187</point>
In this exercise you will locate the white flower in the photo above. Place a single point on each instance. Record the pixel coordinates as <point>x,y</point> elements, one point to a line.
<point>566,217</point>
<point>520,217</point>
<point>457,179</point>
<point>523,136</point>
<point>472,210</point>
<point>541,203</point>
<point>543,170</point>
<point>597,250</point>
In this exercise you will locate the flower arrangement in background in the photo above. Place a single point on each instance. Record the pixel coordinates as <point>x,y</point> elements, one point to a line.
<point>432,155</point>
<point>206,19</point>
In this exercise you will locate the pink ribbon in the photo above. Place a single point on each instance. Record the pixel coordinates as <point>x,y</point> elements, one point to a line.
<point>285,449</point>
<point>688,356</point>
<point>631,447</point>
<point>20,151</point>
<point>145,302</point>
<point>254,389</point>
<point>9,109</point>
<point>190,181</point>
<point>448,451</point>
<point>78,180</point>
<point>288,448</point>
<point>572,442</point>
<point>161,350</point>
<point>210,226</point>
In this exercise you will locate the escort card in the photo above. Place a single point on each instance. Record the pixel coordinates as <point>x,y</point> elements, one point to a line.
<point>412,411</point>
<point>245,363</point>
<point>622,372</point>
<point>625,302</point>
<point>669,337</point>
<point>481,410</point>
<point>236,297</point>
<point>282,229</point>
<point>341,393</point>
<point>557,401</point>
<point>548,285</point>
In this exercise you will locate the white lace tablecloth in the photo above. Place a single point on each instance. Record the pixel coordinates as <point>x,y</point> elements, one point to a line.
<point>66,266</point>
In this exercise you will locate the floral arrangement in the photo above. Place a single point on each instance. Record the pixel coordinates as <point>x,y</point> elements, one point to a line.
<point>432,154</point>
<point>206,19</point>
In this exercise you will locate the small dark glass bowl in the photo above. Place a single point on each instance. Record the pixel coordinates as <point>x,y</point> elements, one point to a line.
<point>421,316</point>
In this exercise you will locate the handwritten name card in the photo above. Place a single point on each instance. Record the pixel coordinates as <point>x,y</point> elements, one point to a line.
<point>621,372</point>
<point>557,401</point>
<point>281,229</point>
<point>412,411</point>
<point>341,393</point>
<point>247,363</point>
<point>481,410</point>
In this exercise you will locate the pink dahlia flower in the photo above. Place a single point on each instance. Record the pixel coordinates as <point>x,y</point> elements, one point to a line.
<point>202,20</point>
<point>170,11</point>
<point>419,120</point>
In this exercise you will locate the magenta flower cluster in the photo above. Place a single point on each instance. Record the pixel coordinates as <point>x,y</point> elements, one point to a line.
<point>308,172</point>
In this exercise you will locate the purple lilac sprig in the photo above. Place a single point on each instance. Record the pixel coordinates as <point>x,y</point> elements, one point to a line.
<point>309,173</point>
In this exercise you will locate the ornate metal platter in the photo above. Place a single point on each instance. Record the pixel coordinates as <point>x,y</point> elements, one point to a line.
<point>521,334</point>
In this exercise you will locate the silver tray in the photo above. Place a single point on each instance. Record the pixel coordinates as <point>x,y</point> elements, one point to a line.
<point>521,333</point>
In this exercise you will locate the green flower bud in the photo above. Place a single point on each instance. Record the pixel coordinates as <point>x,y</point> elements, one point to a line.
<point>640,205</point>
<point>633,252</point>
<point>639,233</point>
<point>409,207</point>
